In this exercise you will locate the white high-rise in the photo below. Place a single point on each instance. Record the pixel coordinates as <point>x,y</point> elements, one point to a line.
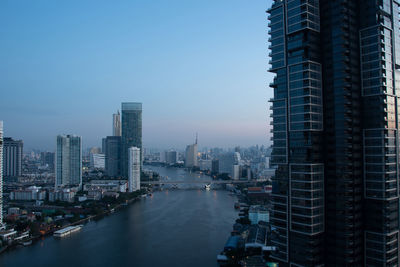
<point>69,161</point>
<point>134,169</point>
<point>117,124</point>
<point>1,173</point>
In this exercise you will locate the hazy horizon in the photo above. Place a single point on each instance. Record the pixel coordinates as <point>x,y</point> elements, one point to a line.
<point>195,66</point>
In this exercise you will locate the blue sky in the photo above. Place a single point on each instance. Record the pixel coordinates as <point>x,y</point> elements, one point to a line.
<point>197,66</point>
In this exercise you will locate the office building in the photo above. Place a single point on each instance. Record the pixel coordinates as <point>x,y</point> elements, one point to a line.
<point>1,173</point>
<point>131,132</point>
<point>116,124</point>
<point>113,156</point>
<point>134,169</point>
<point>335,132</point>
<point>12,157</point>
<point>69,161</point>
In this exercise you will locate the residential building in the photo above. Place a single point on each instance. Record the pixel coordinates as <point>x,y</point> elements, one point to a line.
<point>69,161</point>
<point>12,157</point>
<point>134,168</point>
<point>335,132</point>
<point>131,132</point>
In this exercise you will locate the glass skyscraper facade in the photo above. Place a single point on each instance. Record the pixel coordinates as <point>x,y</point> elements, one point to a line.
<point>113,156</point>
<point>131,132</point>
<point>1,173</point>
<point>335,132</point>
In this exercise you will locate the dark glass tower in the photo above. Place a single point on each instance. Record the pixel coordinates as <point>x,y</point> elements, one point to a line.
<point>131,132</point>
<point>12,157</point>
<point>113,156</point>
<point>335,131</point>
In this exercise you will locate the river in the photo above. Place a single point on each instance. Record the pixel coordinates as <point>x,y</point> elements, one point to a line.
<point>171,228</point>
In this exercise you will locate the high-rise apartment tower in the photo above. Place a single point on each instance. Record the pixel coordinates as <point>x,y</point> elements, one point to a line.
<point>335,132</point>
<point>12,157</point>
<point>1,173</point>
<point>69,161</point>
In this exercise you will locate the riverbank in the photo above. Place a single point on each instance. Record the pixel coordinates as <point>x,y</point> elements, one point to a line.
<point>170,228</point>
<point>98,216</point>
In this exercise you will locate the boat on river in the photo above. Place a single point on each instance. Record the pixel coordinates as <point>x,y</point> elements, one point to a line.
<point>67,231</point>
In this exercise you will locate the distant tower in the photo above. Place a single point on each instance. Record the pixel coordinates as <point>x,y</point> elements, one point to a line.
<point>134,169</point>
<point>1,173</point>
<point>131,132</point>
<point>191,155</point>
<point>69,161</point>
<point>116,124</point>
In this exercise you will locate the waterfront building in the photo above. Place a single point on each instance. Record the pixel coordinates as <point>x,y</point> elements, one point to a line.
<point>131,132</point>
<point>113,156</point>
<point>191,156</point>
<point>134,168</point>
<point>258,213</point>
<point>12,157</point>
<point>69,161</point>
<point>1,173</point>
<point>335,132</point>
<point>171,157</point>
<point>205,164</point>
<point>227,161</point>
<point>116,124</point>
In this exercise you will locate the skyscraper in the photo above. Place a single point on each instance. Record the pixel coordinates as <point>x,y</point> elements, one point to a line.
<point>69,161</point>
<point>191,156</point>
<point>116,124</point>
<point>335,132</point>
<point>12,157</point>
<point>1,173</point>
<point>131,132</point>
<point>113,156</point>
<point>134,155</point>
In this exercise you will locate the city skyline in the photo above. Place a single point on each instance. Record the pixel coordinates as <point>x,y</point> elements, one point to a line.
<point>77,69</point>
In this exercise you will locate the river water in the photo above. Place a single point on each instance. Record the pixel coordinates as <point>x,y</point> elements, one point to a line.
<point>172,228</point>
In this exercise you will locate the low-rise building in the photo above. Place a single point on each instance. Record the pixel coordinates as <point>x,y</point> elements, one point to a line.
<point>258,213</point>
<point>28,194</point>
<point>107,185</point>
<point>65,194</point>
